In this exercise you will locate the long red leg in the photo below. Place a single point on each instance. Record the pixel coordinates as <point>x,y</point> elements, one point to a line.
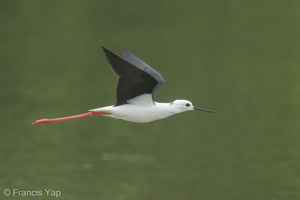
<point>41,121</point>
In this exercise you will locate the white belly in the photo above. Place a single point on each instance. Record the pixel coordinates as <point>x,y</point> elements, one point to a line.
<point>137,113</point>
<point>140,114</point>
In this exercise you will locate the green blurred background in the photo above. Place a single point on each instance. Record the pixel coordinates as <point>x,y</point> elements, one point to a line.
<point>240,58</point>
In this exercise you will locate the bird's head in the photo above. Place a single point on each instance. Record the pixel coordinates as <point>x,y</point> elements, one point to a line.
<point>181,105</point>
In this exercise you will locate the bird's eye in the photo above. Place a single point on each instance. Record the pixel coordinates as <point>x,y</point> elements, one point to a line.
<point>187,104</point>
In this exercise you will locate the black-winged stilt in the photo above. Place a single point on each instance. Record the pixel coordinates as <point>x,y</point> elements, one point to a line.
<point>137,87</point>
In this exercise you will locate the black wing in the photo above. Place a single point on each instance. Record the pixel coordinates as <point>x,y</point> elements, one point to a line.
<point>135,76</point>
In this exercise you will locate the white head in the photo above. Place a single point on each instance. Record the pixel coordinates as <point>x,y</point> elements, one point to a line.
<point>184,105</point>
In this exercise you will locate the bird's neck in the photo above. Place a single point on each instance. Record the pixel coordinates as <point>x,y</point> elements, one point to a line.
<point>166,108</point>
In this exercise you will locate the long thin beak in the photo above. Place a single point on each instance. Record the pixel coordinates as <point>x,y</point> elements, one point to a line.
<point>205,110</point>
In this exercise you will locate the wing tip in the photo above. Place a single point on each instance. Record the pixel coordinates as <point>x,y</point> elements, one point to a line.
<point>104,49</point>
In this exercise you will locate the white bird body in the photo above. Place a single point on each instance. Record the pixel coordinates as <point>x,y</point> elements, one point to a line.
<point>145,111</point>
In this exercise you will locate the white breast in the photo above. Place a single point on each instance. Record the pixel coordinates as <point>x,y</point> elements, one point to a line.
<point>142,114</point>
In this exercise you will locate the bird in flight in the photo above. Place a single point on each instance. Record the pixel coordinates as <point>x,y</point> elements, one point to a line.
<point>136,92</point>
